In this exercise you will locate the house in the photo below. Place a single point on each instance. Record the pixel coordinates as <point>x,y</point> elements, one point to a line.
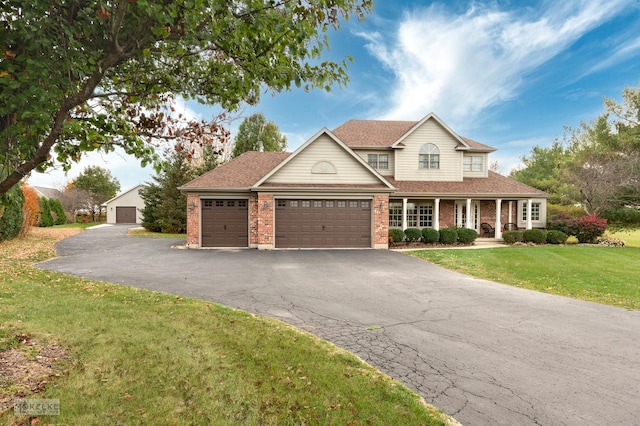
<point>48,193</point>
<point>347,187</point>
<point>126,207</point>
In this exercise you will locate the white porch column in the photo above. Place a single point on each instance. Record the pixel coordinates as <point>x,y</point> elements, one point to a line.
<point>436,214</point>
<point>498,218</point>
<point>529,222</point>
<point>510,212</point>
<point>470,216</point>
<point>404,214</point>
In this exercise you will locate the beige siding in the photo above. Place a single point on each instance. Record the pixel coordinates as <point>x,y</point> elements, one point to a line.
<point>406,164</point>
<point>347,169</point>
<point>363,153</point>
<point>131,198</point>
<point>485,166</point>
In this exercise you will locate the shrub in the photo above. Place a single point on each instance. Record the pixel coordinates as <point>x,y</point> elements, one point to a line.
<point>58,211</point>
<point>610,242</point>
<point>512,237</point>
<point>572,240</point>
<point>396,235</point>
<point>448,235</point>
<point>556,237</point>
<point>467,236</point>
<point>563,222</point>
<point>589,228</point>
<point>622,217</point>
<point>536,236</point>
<point>430,235</point>
<point>11,214</point>
<point>45,213</point>
<point>30,209</point>
<point>412,234</point>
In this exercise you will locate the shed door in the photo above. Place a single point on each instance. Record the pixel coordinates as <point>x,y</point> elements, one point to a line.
<point>125,214</point>
<point>323,223</point>
<point>225,223</point>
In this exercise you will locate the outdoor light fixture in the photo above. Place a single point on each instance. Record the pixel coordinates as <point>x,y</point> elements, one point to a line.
<point>192,205</point>
<point>265,205</point>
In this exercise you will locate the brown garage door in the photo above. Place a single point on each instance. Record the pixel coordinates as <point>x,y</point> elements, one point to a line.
<point>125,214</point>
<point>225,223</point>
<point>323,223</point>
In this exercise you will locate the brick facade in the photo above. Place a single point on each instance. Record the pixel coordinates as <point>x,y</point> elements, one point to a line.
<point>381,221</point>
<point>265,220</point>
<point>193,221</point>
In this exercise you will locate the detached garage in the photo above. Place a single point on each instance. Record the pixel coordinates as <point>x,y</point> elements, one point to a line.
<point>125,208</point>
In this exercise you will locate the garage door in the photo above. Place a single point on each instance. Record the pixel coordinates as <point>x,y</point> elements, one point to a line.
<point>225,223</point>
<point>323,223</point>
<point>125,214</point>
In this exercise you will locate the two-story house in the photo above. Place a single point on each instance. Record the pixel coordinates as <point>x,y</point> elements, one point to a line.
<point>345,188</point>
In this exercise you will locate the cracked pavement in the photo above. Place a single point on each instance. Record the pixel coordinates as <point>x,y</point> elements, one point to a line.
<point>485,353</point>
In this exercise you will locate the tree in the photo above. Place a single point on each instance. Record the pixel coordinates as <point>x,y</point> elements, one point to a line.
<point>46,219</point>
<point>11,218</point>
<point>99,184</point>
<point>257,134</point>
<point>165,206</point>
<point>30,209</point>
<point>83,75</point>
<point>74,199</point>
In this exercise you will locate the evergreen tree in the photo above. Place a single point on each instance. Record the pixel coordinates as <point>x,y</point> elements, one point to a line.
<point>45,213</point>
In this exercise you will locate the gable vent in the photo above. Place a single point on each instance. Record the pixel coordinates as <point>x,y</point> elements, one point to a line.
<point>323,167</point>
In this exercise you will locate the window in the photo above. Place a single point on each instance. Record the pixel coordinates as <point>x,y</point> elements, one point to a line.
<point>429,157</point>
<point>342,204</point>
<point>365,205</point>
<point>242,203</point>
<point>419,215</point>
<point>317,204</point>
<point>208,203</point>
<point>329,204</point>
<point>378,161</point>
<point>293,204</point>
<point>231,203</point>
<point>305,204</point>
<point>219,203</point>
<point>395,215</point>
<point>473,163</point>
<point>353,204</point>
<point>535,212</point>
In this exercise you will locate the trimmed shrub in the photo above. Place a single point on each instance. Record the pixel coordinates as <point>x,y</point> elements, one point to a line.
<point>589,228</point>
<point>571,240</point>
<point>45,213</point>
<point>563,222</point>
<point>448,236</point>
<point>467,236</point>
<point>512,237</point>
<point>11,214</point>
<point>58,211</point>
<point>396,235</point>
<point>556,237</point>
<point>412,234</point>
<point>536,236</point>
<point>430,235</point>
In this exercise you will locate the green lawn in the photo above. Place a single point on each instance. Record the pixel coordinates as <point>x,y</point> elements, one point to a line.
<point>599,274</point>
<point>631,238</point>
<point>141,232</point>
<point>141,357</point>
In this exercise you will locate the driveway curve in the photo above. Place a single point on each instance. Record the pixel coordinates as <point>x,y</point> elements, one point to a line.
<point>486,353</point>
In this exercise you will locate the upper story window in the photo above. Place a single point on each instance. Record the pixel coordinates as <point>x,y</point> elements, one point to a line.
<point>378,161</point>
<point>473,163</point>
<point>429,157</point>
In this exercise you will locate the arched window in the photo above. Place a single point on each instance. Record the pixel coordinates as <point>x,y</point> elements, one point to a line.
<point>429,157</point>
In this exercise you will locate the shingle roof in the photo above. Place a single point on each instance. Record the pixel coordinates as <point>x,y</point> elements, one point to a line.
<point>383,133</point>
<point>48,192</point>
<point>494,185</point>
<point>240,173</point>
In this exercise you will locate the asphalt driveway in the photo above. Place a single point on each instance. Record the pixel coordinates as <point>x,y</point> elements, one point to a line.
<point>483,352</point>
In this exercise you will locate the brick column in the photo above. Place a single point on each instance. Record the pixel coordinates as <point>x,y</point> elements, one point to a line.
<point>381,221</point>
<point>253,220</point>
<point>193,221</point>
<point>265,221</point>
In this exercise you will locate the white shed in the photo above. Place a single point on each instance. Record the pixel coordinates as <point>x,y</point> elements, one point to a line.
<point>126,207</point>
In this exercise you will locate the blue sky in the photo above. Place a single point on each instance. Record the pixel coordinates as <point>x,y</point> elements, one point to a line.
<point>507,75</point>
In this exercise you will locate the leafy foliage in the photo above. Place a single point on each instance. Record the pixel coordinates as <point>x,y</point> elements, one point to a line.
<point>572,240</point>
<point>448,236</point>
<point>536,236</point>
<point>556,237</point>
<point>512,237</point>
<point>46,219</point>
<point>84,75</point>
<point>396,235</point>
<point>257,134</point>
<point>467,236</point>
<point>30,209</point>
<point>99,184</point>
<point>11,214</point>
<point>588,228</point>
<point>58,211</point>
<point>430,235</point>
<point>412,234</point>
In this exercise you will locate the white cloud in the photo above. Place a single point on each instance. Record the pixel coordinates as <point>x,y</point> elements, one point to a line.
<point>458,65</point>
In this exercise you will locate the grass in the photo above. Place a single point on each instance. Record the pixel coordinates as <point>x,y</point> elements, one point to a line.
<point>631,238</point>
<point>598,274</point>
<point>141,357</point>
<point>76,225</point>
<point>141,232</point>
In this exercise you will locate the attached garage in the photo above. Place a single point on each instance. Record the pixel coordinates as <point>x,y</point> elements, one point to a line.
<point>225,223</point>
<point>322,223</point>
<point>125,214</point>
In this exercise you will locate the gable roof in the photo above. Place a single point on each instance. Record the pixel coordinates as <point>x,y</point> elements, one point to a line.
<point>135,188</point>
<point>48,192</point>
<point>243,172</point>
<point>349,152</point>
<point>391,133</point>
<point>495,186</point>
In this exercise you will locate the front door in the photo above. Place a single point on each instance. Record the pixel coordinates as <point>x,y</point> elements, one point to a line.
<point>461,214</point>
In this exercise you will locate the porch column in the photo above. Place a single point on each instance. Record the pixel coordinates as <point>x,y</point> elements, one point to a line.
<point>529,223</point>
<point>498,218</point>
<point>470,216</point>
<point>404,214</point>
<point>510,212</point>
<point>436,214</point>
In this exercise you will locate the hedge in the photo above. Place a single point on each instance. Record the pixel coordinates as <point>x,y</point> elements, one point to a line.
<point>512,237</point>
<point>448,236</point>
<point>536,236</point>
<point>430,235</point>
<point>556,237</point>
<point>412,234</point>
<point>396,235</point>
<point>467,236</point>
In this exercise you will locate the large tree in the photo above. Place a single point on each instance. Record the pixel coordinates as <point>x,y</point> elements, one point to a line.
<point>255,133</point>
<point>81,75</point>
<point>100,184</point>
